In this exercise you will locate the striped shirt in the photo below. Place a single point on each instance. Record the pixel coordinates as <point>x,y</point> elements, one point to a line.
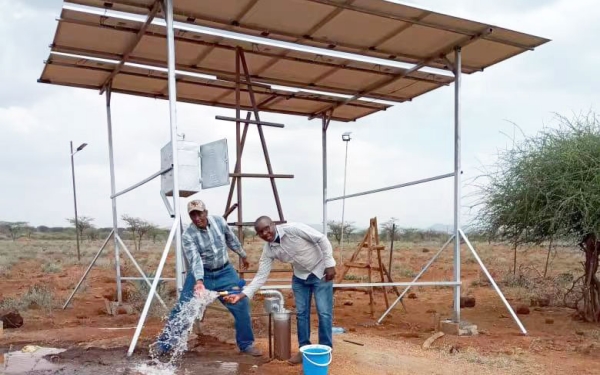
<point>207,248</point>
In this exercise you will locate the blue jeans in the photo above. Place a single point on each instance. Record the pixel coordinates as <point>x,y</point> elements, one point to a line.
<point>323,292</point>
<point>224,279</point>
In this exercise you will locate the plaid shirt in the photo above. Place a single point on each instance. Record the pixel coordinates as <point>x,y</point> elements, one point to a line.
<point>207,248</point>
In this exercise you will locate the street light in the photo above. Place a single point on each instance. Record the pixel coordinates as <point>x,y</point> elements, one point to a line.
<point>81,147</point>
<point>346,138</point>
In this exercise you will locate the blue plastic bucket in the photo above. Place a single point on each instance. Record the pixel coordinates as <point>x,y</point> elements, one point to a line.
<point>316,359</point>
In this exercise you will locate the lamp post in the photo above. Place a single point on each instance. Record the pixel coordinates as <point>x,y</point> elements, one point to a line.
<point>81,147</point>
<point>346,138</point>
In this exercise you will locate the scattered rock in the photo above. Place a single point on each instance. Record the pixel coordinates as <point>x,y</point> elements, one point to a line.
<point>12,319</point>
<point>429,341</point>
<point>467,302</point>
<point>549,321</point>
<point>348,303</point>
<point>502,316</point>
<point>412,296</point>
<point>523,310</point>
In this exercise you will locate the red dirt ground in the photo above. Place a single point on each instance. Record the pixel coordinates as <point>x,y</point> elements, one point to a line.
<point>567,345</point>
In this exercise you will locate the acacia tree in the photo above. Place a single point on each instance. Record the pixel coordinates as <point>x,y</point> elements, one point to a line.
<point>390,229</point>
<point>546,188</point>
<point>14,228</point>
<point>83,224</point>
<point>138,228</point>
<point>335,228</point>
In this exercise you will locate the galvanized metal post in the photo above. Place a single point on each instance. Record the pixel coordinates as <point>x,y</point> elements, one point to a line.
<point>344,205</point>
<point>457,181</point>
<point>168,10</point>
<point>111,159</point>
<point>324,142</point>
<point>75,201</point>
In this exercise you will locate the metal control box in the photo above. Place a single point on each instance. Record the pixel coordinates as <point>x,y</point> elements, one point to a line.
<point>188,154</point>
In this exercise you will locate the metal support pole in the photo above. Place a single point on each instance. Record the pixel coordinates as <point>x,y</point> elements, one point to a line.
<point>75,202</point>
<point>111,159</point>
<point>392,249</point>
<point>144,181</point>
<point>491,279</point>
<point>139,269</point>
<point>168,11</point>
<point>457,182</point>
<point>344,207</point>
<point>324,142</point>
<point>399,299</point>
<point>88,269</point>
<point>174,229</point>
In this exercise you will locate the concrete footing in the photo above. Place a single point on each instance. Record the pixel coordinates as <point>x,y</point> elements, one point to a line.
<point>458,329</point>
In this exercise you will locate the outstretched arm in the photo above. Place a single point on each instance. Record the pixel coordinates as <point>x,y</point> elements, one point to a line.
<point>264,269</point>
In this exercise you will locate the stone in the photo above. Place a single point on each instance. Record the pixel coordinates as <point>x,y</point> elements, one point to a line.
<point>348,303</point>
<point>549,321</point>
<point>523,310</point>
<point>425,250</point>
<point>466,302</point>
<point>412,296</point>
<point>458,329</point>
<point>12,319</point>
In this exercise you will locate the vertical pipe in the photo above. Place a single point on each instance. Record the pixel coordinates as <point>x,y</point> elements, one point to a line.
<point>238,154</point>
<point>324,142</point>
<point>392,249</point>
<point>344,206</point>
<point>168,10</point>
<point>75,202</point>
<point>457,182</point>
<point>111,159</point>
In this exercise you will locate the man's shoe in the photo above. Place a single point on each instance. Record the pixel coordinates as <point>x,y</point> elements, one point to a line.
<point>295,359</point>
<point>252,351</point>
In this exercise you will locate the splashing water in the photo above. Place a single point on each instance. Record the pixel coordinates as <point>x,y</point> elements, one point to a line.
<point>177,333</point>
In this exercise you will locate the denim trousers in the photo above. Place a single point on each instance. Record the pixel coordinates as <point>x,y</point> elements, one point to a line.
<point>220,280</point>
<point>323,292</point>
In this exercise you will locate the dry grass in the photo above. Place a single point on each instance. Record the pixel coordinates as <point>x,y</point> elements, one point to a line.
<point>38,296</point>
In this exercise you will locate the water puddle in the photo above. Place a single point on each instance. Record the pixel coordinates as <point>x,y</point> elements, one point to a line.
<point>215,358</point>
<point>31,359</point>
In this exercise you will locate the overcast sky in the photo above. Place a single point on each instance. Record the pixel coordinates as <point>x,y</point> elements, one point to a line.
<point>410,141</point>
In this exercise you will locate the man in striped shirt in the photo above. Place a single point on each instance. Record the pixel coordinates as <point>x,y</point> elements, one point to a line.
<point>205,244</point>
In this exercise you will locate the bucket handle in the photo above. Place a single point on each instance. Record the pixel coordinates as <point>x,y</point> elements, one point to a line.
<point>319,364</point>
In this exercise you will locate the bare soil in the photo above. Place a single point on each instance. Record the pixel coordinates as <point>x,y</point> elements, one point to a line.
<point>97,342</point>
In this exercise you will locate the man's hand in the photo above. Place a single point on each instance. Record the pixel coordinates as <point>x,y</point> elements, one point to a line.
<point>245,264</point>
<point>199,288</point>
<point>234,298</point>
<point>329,273</point>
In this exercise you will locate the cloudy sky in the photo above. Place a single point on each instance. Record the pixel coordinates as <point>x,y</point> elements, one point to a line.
<point>410,141</point>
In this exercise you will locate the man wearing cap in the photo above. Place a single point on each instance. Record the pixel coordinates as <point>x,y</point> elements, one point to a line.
<point>205,244</point>
<point>311,255</point>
